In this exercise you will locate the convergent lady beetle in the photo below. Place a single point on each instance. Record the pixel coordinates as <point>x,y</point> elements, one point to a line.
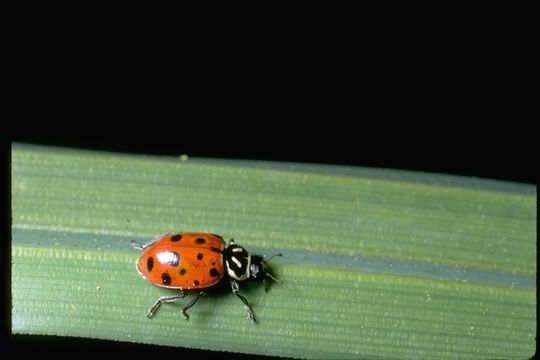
<point>198,261</point>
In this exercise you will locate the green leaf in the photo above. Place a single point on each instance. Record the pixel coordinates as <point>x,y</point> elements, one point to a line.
<point>377,263</point>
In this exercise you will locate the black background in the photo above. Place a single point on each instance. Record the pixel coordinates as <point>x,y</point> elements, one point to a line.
<point>428,96</point>
<point>418,96</point>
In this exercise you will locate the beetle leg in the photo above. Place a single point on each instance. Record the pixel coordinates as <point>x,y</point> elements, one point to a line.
<point>162,299</point>
<point>142,247</point>
<point>235,287</point>
<point>191,303</point>
<point>136,245</point>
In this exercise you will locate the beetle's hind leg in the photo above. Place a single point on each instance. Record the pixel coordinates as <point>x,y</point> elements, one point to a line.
<point>164,299</point>
<point>159,301</point>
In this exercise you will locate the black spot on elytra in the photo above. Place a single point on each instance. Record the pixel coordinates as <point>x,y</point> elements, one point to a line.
<point>199,256</point>
<point>213,263</point>
<point>200,241</point>
<point>214,272</point>
<point>176,238</point>
<point>150,264</point>
<point>182,271</point>
<point>166,278</point>
<point>195,282</point>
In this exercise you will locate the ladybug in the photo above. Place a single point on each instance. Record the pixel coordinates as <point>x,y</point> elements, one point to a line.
<point>198,261</point>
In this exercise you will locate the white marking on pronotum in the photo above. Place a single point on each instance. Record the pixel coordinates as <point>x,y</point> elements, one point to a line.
<point>238,249</point>
<point>233,274</point>
<point>236,261</point>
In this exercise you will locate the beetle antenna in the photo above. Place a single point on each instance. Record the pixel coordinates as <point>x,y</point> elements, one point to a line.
<point>268,275</point>
<point>273,256</point>
<point>273,278</point>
